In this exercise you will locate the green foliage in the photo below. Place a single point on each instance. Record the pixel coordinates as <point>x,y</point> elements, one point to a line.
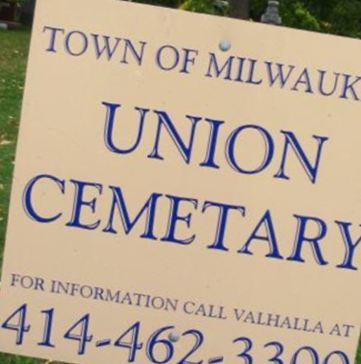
<point>258,7</point>
<point>296,15</point>
<point>342,17</point>
<point>345,19</point>
<point>19,2</point>
<point>12,72</point>
<point>217,7</point>
<point>11,359</point>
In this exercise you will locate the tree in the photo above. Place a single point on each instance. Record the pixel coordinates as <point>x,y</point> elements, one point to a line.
<point>239,9</point>
<point>342,17</point>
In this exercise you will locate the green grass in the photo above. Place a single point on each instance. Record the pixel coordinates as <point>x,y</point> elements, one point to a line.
<point>13,54</point>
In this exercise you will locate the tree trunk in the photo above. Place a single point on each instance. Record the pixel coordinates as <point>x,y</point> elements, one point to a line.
<point>8,11</point>
<point>27,12</point>
<point>239,9</point>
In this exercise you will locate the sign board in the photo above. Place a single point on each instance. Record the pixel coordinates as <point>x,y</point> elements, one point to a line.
<point>186,190</point>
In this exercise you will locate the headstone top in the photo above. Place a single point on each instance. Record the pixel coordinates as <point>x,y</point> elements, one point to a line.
<point>272,16</point>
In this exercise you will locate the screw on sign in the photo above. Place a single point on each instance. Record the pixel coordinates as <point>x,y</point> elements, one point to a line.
<point>225,45</point>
